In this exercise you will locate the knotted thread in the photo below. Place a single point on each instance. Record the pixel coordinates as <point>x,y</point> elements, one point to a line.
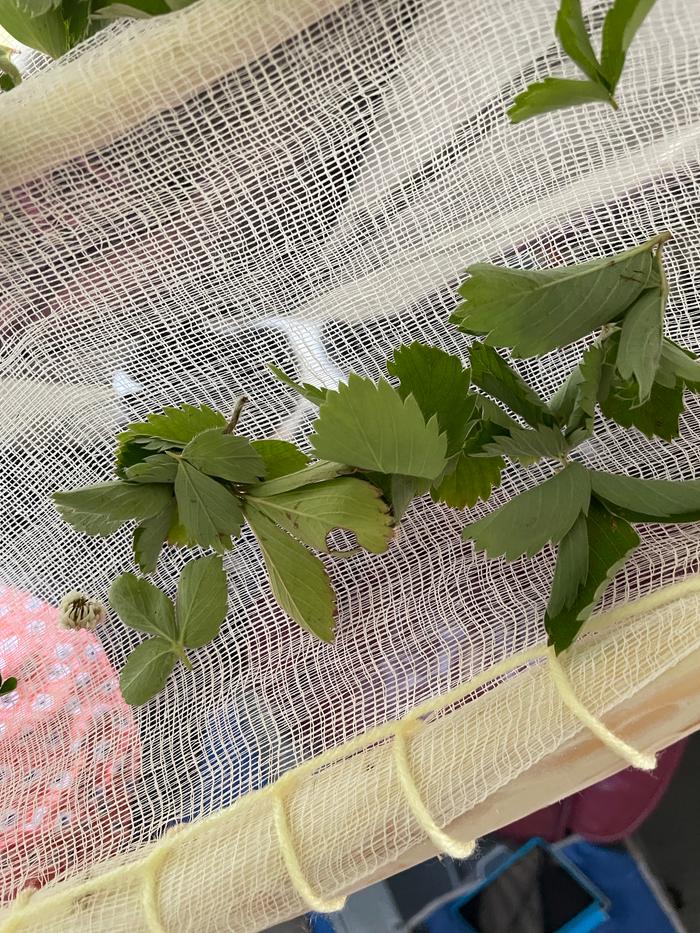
<point>311,898</point>
<point>443,842</point>
<point>629,754</point>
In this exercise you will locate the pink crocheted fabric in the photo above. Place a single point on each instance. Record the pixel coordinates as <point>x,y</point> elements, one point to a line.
<point>68,747</point>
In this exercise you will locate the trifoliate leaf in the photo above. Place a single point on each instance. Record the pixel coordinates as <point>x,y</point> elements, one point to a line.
<point>555,94</point>
<point>155,469</point>
<point>317,472</point>
<point>313,512</point>
<point>279,457</point>
<point>176,426</point>
<point>493,375</point>
<point>571,567</point>
<point>371,427</point>
<point>611,541</point>
<point>528,445</point>
<point>534,312</point>
<point>526,523</point>
<point>101,509</point>
<point>678,365</point>
<point>150,536</point>
<point>622,21</point>
<point>208,511</point>
<point>658,416</point>
<point>571,30</point>
<point>226,456</point>
<point>648,500</point>
<point>298,579</point>
<point>146,670</point>
<point>472,476</point>
<point>202,601</point>
<point>440,384</point>
<point>641,337</point>
<point>314,394</point>
<point>142,606</point>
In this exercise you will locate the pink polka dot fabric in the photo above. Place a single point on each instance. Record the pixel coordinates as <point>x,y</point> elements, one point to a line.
<point>68,746</point>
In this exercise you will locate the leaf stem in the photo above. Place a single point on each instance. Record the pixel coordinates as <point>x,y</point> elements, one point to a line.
<point>233,421</point>
<point>182,655</point>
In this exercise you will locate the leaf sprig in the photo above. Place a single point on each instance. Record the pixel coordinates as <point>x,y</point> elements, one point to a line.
<point>622,21</point>
<point>53,27</point>
<point>187,480</point>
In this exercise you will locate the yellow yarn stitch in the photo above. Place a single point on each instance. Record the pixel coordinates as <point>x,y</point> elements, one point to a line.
<point>17,918</point>
<point>24,911</point>
<point>152,869</point>
<point>443,842</point>
<point>629,754</point>
<point>301,884</point>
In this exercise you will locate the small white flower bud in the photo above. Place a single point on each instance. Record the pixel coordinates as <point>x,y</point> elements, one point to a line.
<point>76,610</point>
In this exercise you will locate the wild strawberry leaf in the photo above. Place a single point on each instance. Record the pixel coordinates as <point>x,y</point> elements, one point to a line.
<point>371,427</point>
<point>311,513</point>
<point>298,579</point>
<point>533,312</point>
<point>611,541</point>
<point>527,522</point>
<point>440,384</point>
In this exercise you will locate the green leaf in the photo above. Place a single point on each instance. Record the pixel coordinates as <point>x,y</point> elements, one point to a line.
<point>440,384</point>
<point>371,427</point>
<point>402,491</point>
<point>527,445</point>
<point>314,394</point>
<point>129,453</point>
<point>146,670</point>
<point>10,75</point>
<point>526,523</point>
<point>574,402</point>
<point>209,512</point>
<point>658,416</point>
<point>176,426</point>
<point>40,26</point>
<point>133,9</point>
<point>491,412</point>
<point>473,476</point>
<point>611,541</point>
<point>313,512</point>
<point>142,606</point>
<point>678,364</point>
<point>554,94</point>
<point>571,30</point>
<point>622,21</point>
<point>641,338</point>
<point>150,536</point>
<point>101,509</point>
<point>280,457</point>
<point>648,500</point>
<point>202,601</point>
<point>158,469</point>
<point>223,455</point>
<point>534,312</point>
<point>298,579</point>
<point>493,375</point>
<point>317,472</point>
<point>7,685</point>
<point>76,14</point>
<point>571,568</point>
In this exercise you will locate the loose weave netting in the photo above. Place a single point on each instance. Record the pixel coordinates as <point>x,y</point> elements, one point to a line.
<point>304,182</point>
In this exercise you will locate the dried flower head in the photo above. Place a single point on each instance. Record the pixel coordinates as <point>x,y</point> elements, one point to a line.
<point>76,610</point>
